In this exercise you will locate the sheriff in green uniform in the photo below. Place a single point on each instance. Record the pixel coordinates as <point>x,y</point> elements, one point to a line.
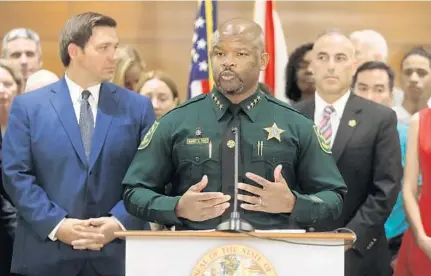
<point>286,172</point>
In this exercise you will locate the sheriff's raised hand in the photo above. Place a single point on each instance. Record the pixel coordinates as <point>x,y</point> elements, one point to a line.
<point>271,197</point>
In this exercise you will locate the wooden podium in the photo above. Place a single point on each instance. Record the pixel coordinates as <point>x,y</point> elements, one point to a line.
<point>211,253</point>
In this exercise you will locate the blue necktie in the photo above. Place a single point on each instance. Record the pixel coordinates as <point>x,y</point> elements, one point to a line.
<point>86,123</point>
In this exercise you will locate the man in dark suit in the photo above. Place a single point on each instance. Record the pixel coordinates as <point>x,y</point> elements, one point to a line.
<point>7,227</point>
<point>66,150</point>
<point>365,144</point>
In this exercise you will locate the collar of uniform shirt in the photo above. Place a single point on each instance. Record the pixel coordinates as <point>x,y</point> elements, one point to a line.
<point>76,91</point>
<point>338,105</point>
<point>221,103</point>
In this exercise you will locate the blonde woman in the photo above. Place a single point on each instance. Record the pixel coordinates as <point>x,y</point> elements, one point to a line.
<point>161,89</point>
<point>127,73</point>
<point>126,51</point>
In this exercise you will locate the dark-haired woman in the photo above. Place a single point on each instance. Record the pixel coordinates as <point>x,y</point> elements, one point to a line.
<point>299,78</point>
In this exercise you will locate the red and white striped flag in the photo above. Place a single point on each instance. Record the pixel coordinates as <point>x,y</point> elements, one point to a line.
<point>274,75</point>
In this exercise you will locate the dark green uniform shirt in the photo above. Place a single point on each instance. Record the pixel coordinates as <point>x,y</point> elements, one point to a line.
<point>187,143</point>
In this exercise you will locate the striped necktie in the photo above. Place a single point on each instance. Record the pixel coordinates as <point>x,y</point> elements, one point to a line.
<point>325,125</point>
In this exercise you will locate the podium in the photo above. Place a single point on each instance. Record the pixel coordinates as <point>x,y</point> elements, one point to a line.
<point>211,253</point>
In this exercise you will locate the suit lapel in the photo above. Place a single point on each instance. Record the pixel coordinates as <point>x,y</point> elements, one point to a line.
<point>106,109</point>
<point>348,123</point>
<point>63,106</point>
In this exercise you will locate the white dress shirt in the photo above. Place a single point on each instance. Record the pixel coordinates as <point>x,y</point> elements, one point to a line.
<point>76,95</point>
<point>338,105</point>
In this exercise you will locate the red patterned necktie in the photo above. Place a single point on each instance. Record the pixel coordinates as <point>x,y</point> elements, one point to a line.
<point>325,125</point>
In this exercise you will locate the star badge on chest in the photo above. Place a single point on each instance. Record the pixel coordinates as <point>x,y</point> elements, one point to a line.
<point>274,132</point>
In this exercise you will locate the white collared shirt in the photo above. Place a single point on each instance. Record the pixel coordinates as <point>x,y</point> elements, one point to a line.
<point>76,95</point>
<point>338,105</point>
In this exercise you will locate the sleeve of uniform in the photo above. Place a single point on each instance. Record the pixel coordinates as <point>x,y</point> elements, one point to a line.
<point>384,188</point>
<point>321,184</point>
<point>147,176</point>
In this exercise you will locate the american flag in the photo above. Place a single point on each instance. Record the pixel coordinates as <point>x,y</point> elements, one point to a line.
<point>205,25</point>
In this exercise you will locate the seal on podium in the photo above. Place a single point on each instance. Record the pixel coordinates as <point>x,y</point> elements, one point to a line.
<point>233,260</point>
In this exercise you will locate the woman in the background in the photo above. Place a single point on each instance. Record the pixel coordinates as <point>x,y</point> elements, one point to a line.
<point>126,51</point>
<point>10,86</point>
<point>127,73</point>
<point>299,78</point>
<point>414,258</point>
<point>129,67</point>
<point>161,89</point>
<point>163,92</point>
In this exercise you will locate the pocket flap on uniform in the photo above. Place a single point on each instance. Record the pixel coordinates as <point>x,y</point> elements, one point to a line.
<point>274,153</point>
<point>197,154</point>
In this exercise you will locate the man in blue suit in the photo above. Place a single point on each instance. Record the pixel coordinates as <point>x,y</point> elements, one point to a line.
<point>65,152</point>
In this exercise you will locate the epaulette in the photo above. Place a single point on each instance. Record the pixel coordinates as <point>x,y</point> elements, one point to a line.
<point>188,102</point>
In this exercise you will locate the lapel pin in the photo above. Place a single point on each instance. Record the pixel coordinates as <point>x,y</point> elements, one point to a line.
<point>352,123</point>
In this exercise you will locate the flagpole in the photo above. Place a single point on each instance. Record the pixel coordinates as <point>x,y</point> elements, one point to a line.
<point>209,26</point>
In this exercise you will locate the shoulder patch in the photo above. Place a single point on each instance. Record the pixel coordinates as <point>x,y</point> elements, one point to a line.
<point>322,141</point>
<point>147,138</point>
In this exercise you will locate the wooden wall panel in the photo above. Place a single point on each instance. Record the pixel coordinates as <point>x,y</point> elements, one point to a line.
<point>162,30</point>
<point>46,18</point>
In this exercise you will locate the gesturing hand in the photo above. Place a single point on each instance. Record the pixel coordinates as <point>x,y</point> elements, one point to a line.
<point>195,205</point>
<point>104,226</point>
<point>273,197</point>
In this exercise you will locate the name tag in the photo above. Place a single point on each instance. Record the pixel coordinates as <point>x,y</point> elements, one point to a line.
<point>197,141</point>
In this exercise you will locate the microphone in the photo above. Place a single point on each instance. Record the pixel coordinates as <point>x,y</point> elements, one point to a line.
<point>235,223</point>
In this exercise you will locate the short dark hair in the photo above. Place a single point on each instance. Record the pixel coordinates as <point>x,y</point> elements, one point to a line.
<point>417,51</point>
<point>375,65</point>
<point>79,29</point>
<point>292,90</point>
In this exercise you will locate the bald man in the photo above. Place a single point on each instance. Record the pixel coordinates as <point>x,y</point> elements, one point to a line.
<point>287,176</point>
<point>40,79</point>
<point>364,140</point>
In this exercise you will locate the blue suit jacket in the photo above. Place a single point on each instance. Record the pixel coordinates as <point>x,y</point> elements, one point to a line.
<point>48,177</point>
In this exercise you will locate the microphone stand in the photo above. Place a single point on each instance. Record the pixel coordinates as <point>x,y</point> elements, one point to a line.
<point>235,223</point>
